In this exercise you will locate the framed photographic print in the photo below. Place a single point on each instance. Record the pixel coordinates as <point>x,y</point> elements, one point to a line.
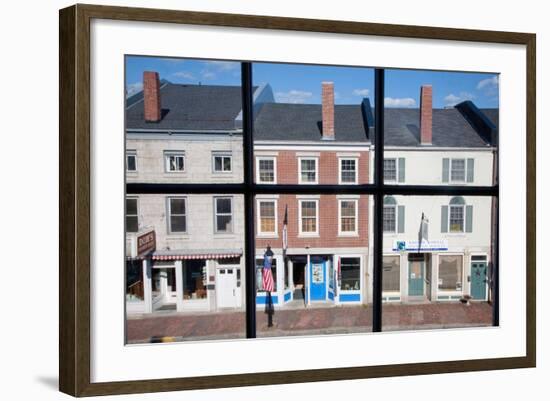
<point>250,200</point>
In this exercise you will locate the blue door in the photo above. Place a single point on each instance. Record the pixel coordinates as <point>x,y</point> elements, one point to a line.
<point>478,286</point>
<point>318,279</point>
<point>416,278</point>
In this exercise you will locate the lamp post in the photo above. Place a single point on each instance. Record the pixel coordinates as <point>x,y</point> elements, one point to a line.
<point>268,284</point>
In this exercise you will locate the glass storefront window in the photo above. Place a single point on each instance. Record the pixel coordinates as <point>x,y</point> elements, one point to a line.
<point>450,273</point>
<point>351,274</point>
<point>194,279</point>
<point>134,280</point>
<point>391,274</point>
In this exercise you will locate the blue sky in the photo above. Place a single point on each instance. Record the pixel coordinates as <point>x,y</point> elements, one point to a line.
<point>302,83</point>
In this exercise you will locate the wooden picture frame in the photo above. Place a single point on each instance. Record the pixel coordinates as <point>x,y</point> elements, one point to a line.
<point>74,204</point>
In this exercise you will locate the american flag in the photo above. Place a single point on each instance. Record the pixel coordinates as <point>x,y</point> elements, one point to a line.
<point>267,276</point>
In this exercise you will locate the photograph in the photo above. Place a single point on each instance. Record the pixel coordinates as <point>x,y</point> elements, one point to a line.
<point>313,127</point>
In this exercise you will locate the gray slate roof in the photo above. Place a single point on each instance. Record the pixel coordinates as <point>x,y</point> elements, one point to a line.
<point>302,122</point>
<point>189,107</point>
<point>449,129</point>
<point>212,107</point>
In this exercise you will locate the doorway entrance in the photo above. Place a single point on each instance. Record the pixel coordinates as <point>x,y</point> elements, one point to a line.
<point>478,286</point>
<point>226,283</point>
<point>417,270</point>
<point>298,278</point>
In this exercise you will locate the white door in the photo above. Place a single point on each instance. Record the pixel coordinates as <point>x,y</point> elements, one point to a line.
<point>226,287</point>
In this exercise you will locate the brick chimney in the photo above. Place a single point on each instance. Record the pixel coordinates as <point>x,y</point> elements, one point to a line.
<point>426,115</point>
<point>151,96</point>
<point>327,96</point>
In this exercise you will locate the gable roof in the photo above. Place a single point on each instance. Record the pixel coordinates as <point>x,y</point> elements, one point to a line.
<point>302,122</point>
<point>189,107</point>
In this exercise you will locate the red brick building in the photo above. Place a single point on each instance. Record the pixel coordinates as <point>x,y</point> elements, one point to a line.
<point>327,236</point>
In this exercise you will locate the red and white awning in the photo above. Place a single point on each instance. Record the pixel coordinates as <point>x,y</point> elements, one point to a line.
<point>184,256</point>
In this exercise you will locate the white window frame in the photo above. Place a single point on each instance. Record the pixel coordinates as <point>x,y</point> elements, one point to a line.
<point>137,211</point>
<point>396,219</point>
<point>348,233</point>
<point>216,214</point>
<point>169,215</point>
<point>463,207</point>
<point>361,276</point>
<point>396,169</point>
<point>451,169</point>
<point>131,153</point>
<point>223,155</point>
<point>356,161</point>
<point>261,233</point>
<point>272,158</point>
<point>316,159</point>
<point>174,153</point>
<point>308,233</point>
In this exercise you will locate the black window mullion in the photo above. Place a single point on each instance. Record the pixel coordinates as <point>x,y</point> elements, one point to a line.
<point>378,200</point>
<point>248,160</point>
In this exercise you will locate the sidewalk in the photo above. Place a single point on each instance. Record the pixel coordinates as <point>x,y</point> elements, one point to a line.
<point>310,321</point>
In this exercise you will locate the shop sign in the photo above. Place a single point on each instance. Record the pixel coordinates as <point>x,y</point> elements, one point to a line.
<point>424,245</point>
<point>317,273</point>
<point>146,243</point>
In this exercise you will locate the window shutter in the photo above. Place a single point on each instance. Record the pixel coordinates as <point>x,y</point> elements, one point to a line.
<point>470,172</point>
<point>469,218</point>
<point>445,172</point>
<point>444,218</point>
<point>401,169</point>
<point>400,219</point>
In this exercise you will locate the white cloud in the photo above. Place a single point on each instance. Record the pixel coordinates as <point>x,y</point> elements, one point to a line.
<point>451,99</point>
<point>293,96</point>
<point>213,68</point>
<point>132,89</point>
<point>361,92</point>
<point>184,75</point>
<point>399,102</point>
<point>488,83</point>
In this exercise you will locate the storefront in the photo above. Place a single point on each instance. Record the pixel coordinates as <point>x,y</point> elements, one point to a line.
<point>305,280</point>
<point>184,281</point>
<point>433,272</point>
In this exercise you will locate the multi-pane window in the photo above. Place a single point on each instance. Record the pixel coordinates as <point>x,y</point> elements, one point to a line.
<point>390,169</point>
<point>348,171</point>
<point>267,216</point>
<point>266,170</point>
<point>389,215</point>
<point>174,161</point>
<point>458,170</point>
<point>221,162</point>
<point>348,216</point>
<point>450,273</point>
<point>132,215</point>
<point>177,215</point>
<point>308,217</point>
<point>308,170</point>
<point>131,161</point>
<point>350,274</point>
<point>223,215</point>
<point>391,274</point>
<point>456,218</point>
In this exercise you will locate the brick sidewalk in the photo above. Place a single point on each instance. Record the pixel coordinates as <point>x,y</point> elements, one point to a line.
<point>311,321</point>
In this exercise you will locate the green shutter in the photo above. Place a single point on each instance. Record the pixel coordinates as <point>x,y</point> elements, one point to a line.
<point>444,218</point>
<point>445,172</point>
<point>469,218</point>
<point>401,169</point>
<point>470,170</point>
<point>400,219</point>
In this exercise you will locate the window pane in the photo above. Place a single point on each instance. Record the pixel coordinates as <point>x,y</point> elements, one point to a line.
<point>439,129</point>
<point>389,216</point>
<point>320,131</point>
<point>131,206</point>
<point>132,224</point>
<point>218,163</point>
<point>223,205</point>
<point>177,206</point>
<point>227,163</point>
<point>177,268</point>
<point>131,162</point>
<point>321,277</point>
<point>433,278</point>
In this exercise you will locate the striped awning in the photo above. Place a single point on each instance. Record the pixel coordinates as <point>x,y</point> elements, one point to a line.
<point>183,255</point>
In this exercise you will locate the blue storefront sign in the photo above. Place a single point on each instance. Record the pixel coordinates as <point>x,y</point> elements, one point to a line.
<point>423,246</point>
